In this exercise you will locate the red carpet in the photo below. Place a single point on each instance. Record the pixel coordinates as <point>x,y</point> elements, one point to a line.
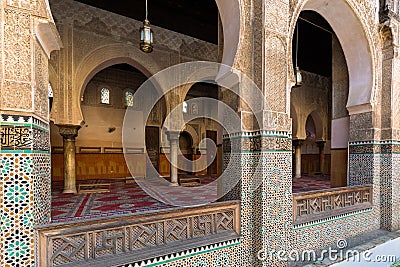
<point>126,198</point>
<point>123,198</point>
<point>306,183</point>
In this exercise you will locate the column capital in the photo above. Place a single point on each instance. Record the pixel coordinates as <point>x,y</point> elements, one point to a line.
<point>69,132</point>
<point>320,143</point>
<point>173,135</point>
<point>298,142</point>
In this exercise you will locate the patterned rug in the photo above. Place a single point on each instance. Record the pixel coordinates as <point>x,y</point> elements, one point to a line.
<point>307,183</point>
<point>181,195</point>
<point>123,198</point>
<point>126,198</point>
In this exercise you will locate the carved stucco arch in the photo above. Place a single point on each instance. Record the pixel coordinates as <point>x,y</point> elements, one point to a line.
<point>231,20</point>
<point>53,80</point>
<point>192,132</point>
<point>104,57</point>
<point>295,121</point>
<point>299,119</point>
<point>320,125</point>
<point>358,44</point>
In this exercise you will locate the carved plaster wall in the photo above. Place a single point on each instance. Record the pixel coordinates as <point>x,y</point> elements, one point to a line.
<point>360,43</point>
<point>95,39</point>
<point>24,150</point>
<point>313,96</point>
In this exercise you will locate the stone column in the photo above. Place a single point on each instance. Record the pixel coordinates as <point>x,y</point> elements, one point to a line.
<point>321,146</point>
<point>389,173</point>
<point>297,146</point>
<point>173,137</point>
<point>28,37</point>
<point>69,133</point>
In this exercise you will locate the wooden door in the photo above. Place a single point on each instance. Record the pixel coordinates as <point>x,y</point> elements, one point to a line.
<point>211,154</point>
<point>153,144</point>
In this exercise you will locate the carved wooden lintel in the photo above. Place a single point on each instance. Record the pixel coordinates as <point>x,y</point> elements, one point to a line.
<point>317,205</point>
<point>130,238</point>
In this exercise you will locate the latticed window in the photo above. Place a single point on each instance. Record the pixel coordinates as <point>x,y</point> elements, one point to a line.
<point>50,89</point>
<point>129,99</point>
<point>105,96</point>
<point>184,107</point>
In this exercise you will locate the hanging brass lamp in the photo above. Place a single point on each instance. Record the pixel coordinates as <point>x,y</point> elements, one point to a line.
<point>146,35</point>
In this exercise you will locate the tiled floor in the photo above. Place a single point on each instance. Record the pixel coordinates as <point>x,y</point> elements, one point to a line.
<point>126,198</point>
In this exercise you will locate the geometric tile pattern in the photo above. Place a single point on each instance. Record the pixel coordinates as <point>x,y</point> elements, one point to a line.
<point>378,162</point>
<point>24,186</point>
<point>17,213</point>
<point>263,225</point>
<point>264,211</point>
<point>216,255</point>
<point>364,168</point>
<point>267,213</point>
<point>389,186</point>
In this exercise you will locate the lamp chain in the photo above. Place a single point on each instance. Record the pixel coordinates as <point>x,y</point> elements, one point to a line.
<point>297,41</point>
<point>146,10</point>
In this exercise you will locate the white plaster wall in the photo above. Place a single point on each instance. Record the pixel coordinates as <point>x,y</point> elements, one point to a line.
<point>340,132</point>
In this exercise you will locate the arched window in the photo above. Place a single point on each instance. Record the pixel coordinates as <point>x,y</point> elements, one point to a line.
<point>50,89</point>
<point>128,99</point>
<point>184,107</point>
<point>105,96</point>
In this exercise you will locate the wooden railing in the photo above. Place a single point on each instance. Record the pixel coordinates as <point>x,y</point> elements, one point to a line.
<point>131,238</point>
<point>316,205</point>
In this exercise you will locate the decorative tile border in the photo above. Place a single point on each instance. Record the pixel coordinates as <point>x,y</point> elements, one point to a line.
<point>329,219</point>
<point>20,120</point>
<point>265,133</point>
<point>374,147</point>
<point>260,141</point>
<point>23,134</point>
<point>185,254</point>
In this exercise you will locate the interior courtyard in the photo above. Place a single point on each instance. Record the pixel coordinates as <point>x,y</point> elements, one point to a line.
<point>199,133</point>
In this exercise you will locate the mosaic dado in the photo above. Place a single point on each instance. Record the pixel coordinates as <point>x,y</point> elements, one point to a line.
<point>311,206</point>
<point>256,142</point>
<point>221,254</point>
<point>25,175</point>
<point>374,147</point>
<point>25,187</point>
<point>23,133</point>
